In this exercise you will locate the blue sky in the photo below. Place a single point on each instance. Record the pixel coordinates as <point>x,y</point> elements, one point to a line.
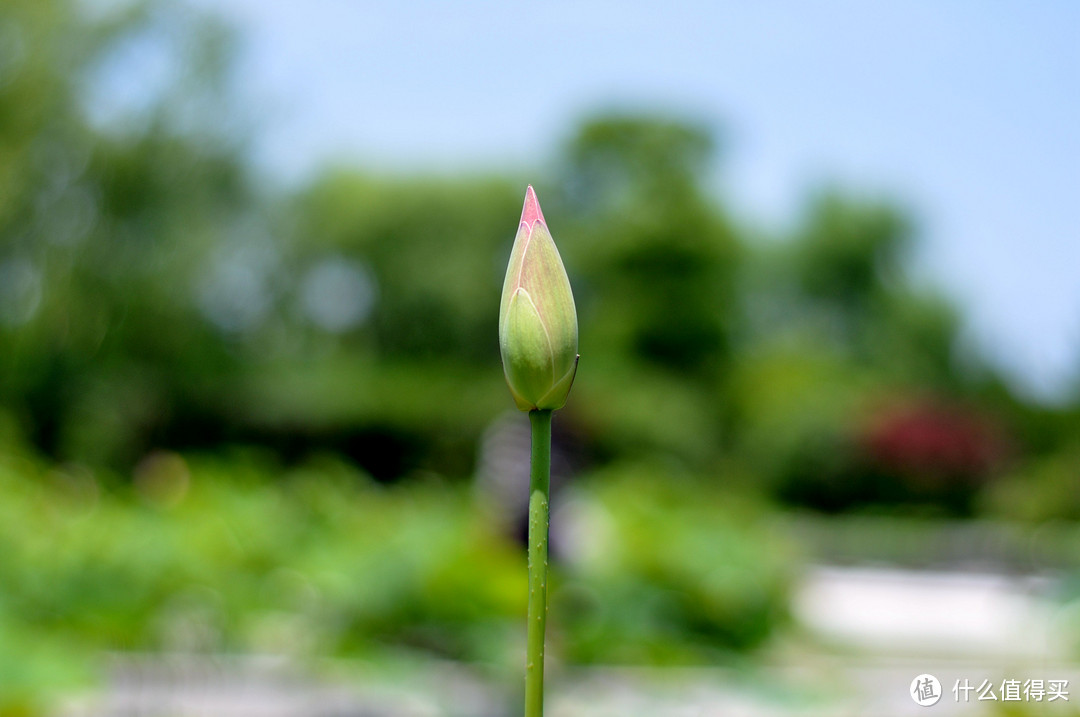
<point>968,113</point>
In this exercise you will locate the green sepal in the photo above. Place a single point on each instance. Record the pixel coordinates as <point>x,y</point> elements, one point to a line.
<point>556,397</point>
<point>527,359</point>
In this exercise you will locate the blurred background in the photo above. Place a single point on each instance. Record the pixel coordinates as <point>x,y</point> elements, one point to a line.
<point>256,452</point>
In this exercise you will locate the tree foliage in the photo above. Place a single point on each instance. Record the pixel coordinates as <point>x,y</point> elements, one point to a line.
<point>154,294</point>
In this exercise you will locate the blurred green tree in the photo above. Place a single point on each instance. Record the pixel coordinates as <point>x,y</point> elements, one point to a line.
<point>651,243</point>
<point>109,205</point>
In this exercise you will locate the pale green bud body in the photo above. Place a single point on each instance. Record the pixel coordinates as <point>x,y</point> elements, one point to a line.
<point>538,333</point>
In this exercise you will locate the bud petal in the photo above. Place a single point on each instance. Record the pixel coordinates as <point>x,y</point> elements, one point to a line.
<point>538,332</point>
<point>527,357</point>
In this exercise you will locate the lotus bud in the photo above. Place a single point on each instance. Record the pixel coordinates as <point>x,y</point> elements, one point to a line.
<point>538,333</point>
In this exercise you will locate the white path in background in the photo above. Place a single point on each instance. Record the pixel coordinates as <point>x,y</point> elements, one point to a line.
<point>964,614</point>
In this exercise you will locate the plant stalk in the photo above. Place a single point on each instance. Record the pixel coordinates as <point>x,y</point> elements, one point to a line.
<point>539,498</point>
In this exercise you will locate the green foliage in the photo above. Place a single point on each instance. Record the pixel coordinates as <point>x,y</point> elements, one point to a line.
<point>647,234</point>
<point>102,231</point>
<point>1040,490</point>
<point>673,571</point>
<point>232,554</point>
<point>846,250</point>
<point>617,162</point>
<point>434,249</point>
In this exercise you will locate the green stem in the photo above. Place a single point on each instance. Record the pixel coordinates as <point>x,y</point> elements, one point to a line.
<point>539,491</point>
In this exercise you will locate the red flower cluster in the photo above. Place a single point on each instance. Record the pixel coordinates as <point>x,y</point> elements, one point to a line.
<point>931,439</point>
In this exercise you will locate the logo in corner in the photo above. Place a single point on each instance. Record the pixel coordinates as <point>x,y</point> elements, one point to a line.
<point>925,690</point>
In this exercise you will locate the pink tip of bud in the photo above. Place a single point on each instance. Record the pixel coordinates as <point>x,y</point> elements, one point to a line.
<point>531,211</point>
